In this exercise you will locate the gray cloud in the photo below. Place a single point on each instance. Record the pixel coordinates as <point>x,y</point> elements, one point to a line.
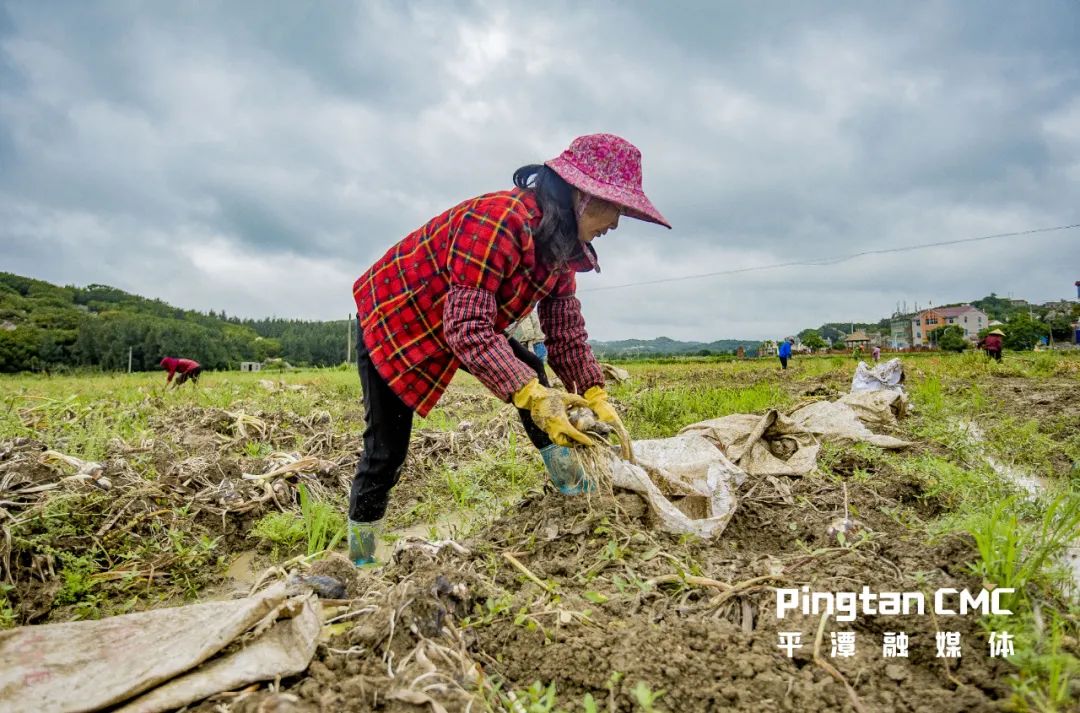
<point>256,157</point>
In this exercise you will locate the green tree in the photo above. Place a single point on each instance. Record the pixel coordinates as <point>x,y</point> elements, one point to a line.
<point>834,333</point>
<point>999,308</point>
<point>949,338</point>
<point>18,348</point>
<point>1023,332</point>
<point>1061,327</point>
<point>812,339</point>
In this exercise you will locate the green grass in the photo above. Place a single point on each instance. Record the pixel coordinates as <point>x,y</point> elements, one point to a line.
<point>928,396</point>
<point>473,492</point>
<point>1048,674</point>
<point>1018,553</point>
<point>284,531</point>
<point>318,526</point>
<point>7,612</point>
<point>1023,442</point>
<point>323,525</point>
<point>956,488</point>
<point>662,411</point>
<point>1016,536</point>
<point>439,420</point>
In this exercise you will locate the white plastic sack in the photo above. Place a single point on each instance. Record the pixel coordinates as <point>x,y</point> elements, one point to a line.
<point>886,376</point>
<point>615,373</point>
<point>687,481</point>
<point>157,660</point>
<point>690,480</point>
<point>878,409</point>
<point>838,422</point>
<point>761,445</point>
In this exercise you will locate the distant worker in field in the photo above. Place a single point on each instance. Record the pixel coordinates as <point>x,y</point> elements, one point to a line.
<point>186,368</point>
<point>785,351</point>
<point>442,298</point>
<point>992,344</point>
<point>529,334</point>
<point>876,353</point>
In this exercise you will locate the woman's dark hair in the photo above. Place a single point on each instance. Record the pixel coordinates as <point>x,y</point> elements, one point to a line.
<point>557,237</point>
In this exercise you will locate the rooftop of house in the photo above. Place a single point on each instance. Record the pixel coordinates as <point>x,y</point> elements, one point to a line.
<point>954,311</point>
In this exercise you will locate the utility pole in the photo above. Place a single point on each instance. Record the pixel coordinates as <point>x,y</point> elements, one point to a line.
<point>348,339</point>
<point>129,360</point>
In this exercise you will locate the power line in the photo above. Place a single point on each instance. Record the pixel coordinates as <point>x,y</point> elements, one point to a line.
<point>832,260</point>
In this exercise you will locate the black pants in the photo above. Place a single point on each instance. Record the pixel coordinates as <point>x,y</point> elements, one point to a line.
<point>783,362</point>
<point>534,432</point>
<point>193,375</point>
<point>388,426</point>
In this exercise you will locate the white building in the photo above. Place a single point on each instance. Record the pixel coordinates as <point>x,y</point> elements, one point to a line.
<point>970,319</point>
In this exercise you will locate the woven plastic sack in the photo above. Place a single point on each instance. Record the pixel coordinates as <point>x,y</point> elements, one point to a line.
<point>158,660</point>
<point>762,445</point>
<point>886,376</point>
<point>687,481</point>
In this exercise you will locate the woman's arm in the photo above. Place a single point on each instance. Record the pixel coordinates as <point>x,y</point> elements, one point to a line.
<point>567,342</point>
<point>485,250</point>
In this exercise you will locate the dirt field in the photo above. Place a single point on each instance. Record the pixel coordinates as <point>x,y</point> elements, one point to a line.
<point>553,603</point>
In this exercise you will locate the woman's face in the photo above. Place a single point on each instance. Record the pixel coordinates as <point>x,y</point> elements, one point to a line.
<point>599,217</point>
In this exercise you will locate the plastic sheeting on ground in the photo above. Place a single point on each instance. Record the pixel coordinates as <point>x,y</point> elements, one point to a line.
<point>687,481</point>
<point>690,480</point>
<point>888,376</point>
<point>615,373</point>
<point>158,660</point>
<point>877,409</point>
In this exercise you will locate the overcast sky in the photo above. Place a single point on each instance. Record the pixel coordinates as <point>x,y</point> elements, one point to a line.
<point>256,157</point>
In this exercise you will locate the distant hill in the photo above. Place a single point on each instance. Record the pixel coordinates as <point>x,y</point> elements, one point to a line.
<point>665,346</point>
<point>44,326</point>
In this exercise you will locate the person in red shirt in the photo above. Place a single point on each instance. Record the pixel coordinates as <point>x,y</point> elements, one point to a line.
<point>991,343</point>
<point>186,368</point>
<point>441,299</point>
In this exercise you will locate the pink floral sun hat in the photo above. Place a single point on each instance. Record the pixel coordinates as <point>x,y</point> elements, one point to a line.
<point>607,167</point>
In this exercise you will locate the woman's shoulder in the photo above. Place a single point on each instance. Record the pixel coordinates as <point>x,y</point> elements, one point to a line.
<point>517,201</point>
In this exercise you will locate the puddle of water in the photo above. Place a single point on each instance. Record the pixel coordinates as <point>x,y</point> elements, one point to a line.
<point>240,569</point>
<point>446,528</point>
<point>1034,486</point>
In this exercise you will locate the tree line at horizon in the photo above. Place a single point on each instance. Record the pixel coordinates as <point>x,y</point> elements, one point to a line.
<point>45,327</point>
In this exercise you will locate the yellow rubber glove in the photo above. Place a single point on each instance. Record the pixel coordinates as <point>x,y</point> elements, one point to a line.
<point>597,399</point>
<point>548,410</point>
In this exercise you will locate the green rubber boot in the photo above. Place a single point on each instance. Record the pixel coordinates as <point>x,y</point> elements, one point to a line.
<point>565,470</point>
<point>363,538</point>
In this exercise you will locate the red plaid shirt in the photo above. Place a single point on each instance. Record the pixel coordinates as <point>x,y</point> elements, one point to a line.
<point>442,297</point>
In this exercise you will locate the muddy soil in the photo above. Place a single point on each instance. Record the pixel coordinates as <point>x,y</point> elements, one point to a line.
<point>1052,404</point>
<point>578,592</point>
<point>612,602</point>
<point>179,508</point>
